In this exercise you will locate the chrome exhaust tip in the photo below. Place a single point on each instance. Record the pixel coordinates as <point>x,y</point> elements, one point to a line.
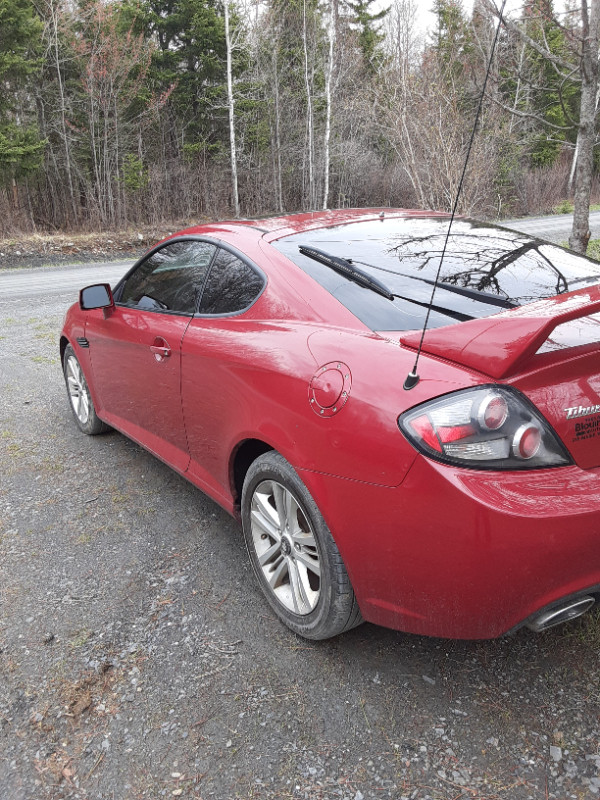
<point>563,613</point>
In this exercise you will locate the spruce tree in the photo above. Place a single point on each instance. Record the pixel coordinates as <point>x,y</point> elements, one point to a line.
<point>20,43</point>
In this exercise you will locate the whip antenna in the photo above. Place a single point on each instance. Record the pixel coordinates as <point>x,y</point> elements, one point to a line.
<point>412,378</point>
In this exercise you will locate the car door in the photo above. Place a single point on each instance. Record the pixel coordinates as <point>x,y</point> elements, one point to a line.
<point>218,353</point>
<point>135,350</point>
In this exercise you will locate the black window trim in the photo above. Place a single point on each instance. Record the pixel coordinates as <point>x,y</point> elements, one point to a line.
<point>191,238</point>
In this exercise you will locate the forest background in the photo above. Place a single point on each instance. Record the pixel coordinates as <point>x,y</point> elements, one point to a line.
<point>127,112</point>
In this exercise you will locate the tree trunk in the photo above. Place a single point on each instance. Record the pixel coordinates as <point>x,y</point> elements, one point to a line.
<point>279,182</point>
<point>309,116</point>
<point>328,100</point>
<point>231,106</point>
<point>54,12</point>
<point>580,234</point>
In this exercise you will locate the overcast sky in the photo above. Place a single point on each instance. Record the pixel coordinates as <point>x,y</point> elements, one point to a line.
<point>427,20</point>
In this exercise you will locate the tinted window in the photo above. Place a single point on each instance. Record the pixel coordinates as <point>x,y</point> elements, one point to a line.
<point>232,285</point>
<point>485,269</point>
<point>170,279</point>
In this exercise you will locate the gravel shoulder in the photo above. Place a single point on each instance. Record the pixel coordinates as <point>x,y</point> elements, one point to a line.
<point>53,250</point>
<point>138,660</point>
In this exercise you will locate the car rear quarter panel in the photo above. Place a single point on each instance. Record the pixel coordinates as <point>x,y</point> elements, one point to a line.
<point>247,377</point>
<point>464,553</point>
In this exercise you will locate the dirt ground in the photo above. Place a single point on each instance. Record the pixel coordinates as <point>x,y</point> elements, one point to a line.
<point>138,660</point>
<point>40,250</point>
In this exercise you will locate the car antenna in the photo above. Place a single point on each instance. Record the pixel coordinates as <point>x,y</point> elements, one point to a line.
<point>412,378</point>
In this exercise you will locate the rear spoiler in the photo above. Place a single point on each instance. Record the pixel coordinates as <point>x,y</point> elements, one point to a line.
<point>500,345</point>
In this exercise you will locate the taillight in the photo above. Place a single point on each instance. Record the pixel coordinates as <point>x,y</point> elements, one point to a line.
<point>490,427</point>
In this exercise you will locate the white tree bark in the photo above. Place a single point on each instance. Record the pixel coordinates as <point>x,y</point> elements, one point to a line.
<point>309,115</point>
<point>53,10</point>
<point>332,32</point>
<point>277,154</point>
<point>231,108</point>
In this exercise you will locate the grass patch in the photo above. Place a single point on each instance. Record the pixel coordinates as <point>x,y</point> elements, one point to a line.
<point>593,250</point>
<point>81,638</point>
<point>43,360</point>
<point>565,207</point>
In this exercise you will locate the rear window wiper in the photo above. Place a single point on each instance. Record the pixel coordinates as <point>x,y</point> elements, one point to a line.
<point>347,269</point>
<point>473,294</point>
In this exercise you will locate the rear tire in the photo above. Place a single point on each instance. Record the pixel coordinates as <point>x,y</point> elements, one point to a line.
<point>80,398</point>
<point>292,551</point>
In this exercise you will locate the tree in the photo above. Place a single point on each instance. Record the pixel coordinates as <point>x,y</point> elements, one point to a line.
<point>332,24</point>
<point>21,149</point>
<point>368,24</point>
<point>112,68</point>
<point>231,106</point>
<point>578,64</point>
<point>450,37</point>
<point>188,62</point>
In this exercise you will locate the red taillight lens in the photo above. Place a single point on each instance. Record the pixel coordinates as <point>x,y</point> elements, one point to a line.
<point>488,427</point>
<point>425,430</point>
<point>493,412</point>
<point>455,433</point>
<point>527,441</point>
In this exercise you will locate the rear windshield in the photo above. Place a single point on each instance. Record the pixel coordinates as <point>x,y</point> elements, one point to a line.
<point>485,270</point>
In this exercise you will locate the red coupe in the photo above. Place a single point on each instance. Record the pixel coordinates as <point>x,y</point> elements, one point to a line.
<point>266,362</point>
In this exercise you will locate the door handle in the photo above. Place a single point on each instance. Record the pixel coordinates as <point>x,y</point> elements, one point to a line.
<point>160,349</point>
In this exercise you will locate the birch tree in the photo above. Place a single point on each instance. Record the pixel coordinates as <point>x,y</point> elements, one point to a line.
<point>329,80</point>
<point>310,142</point>
<point>231,109</point>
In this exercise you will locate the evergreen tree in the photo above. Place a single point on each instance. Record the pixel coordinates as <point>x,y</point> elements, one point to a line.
<point>21,150</point>
<point>451,40</point>
<point>189,61</point>
<point>551,98</point>
<point>368,23</point>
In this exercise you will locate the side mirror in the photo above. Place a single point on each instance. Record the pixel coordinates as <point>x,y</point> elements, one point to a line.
<point>97,296</point>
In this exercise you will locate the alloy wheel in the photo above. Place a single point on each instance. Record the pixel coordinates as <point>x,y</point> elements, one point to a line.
<point>286,547</point>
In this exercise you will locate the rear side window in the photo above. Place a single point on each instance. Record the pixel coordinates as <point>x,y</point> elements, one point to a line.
<point>232,285</point>
<point>170,279</point>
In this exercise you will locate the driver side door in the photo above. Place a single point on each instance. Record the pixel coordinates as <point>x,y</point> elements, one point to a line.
<point>135,351</point>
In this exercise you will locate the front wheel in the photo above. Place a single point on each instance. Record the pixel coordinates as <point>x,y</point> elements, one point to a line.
<point>294,556</point>
<point>79,395</point>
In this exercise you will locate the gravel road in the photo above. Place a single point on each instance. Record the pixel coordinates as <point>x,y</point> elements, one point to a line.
<point>138,660</point>
<point>554,228</point>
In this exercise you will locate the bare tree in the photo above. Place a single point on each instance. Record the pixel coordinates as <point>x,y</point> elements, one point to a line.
<point>52,12</point>
<point>581,64</point>
<point>231,108</point>
<point>310,141</point>
<point>329,72</point>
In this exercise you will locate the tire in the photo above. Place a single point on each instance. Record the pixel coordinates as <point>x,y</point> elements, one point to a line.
<point>80,398</point>
<point>294,556</point>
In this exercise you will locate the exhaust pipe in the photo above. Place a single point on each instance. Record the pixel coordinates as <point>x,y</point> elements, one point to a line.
<point>563,613</point>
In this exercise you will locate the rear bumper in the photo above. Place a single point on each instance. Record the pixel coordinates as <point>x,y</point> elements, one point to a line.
<point>462,553</point>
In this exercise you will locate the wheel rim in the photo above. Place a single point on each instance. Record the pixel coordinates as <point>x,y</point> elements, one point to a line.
<point>286,547</point>
<point>77,389</point>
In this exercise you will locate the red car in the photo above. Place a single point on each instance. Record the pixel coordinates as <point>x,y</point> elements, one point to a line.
<point>266,362</point>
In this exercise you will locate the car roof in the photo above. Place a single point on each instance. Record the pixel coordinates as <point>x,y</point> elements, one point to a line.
<point>272,228</point>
